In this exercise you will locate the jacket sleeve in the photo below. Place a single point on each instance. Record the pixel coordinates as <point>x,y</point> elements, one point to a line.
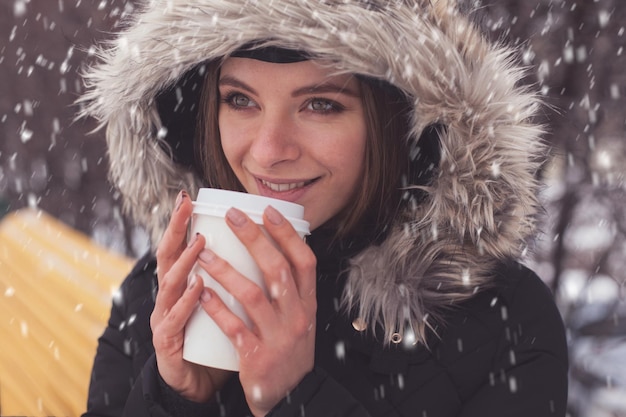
<point>529,376</point>
<point>319,395</point>
<point>125,344</point>
<point>150,396</point>
<point>112,372</point>
<point>316,395</point>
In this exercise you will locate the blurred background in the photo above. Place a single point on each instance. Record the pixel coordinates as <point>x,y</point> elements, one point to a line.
<point>574,50</point>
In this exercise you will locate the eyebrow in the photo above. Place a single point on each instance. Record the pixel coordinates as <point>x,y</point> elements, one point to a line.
<point>323,88</point>
<point>233,82</point>
<point>327,87</point>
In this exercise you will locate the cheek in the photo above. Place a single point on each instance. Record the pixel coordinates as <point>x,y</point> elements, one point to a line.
<point>350,156</point>
<point>228,138</point>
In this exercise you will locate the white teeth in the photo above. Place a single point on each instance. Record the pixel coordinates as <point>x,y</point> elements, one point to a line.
<point>282,187</point>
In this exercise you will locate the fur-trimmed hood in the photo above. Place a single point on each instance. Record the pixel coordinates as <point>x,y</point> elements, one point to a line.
<point>478,210</point>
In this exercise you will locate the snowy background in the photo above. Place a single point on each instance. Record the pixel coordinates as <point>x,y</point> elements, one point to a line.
<point>574,50</point>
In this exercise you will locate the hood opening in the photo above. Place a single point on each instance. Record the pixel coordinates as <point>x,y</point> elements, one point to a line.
<point>178,107</point>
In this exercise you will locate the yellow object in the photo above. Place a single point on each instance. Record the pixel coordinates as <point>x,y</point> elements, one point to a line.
<point>55,296</point>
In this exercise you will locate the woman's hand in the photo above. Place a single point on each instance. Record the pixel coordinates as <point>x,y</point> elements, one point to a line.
<point>279,351</point>
<point>175,301</point>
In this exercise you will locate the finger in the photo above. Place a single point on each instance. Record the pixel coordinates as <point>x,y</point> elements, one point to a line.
<point>172,243</point>
<point>296,251</point>
<point>232,326</point>
<point>168,330</point>
<point>173,282</point>
<point>245,291</point>
<point>277,271</point>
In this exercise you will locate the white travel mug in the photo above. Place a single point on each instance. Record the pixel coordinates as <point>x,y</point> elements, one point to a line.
<point>204,342</point>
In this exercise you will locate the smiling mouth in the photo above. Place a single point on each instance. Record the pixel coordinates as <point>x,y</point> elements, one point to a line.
<point>287,186</point>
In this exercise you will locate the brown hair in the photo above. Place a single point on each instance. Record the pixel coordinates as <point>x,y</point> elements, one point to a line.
<point>386,112</point>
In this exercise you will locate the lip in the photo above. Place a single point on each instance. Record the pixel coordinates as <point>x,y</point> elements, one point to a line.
<point>291,195</point>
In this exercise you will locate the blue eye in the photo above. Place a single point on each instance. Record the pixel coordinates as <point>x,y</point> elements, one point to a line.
<point>238,101</point>
<point>241,101</point>
<point>322,105</point>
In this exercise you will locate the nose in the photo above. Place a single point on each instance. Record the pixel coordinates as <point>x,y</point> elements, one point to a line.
<point>275,140</point>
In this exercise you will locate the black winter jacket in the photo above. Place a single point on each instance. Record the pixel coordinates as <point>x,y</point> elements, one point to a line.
<point>502,353</point>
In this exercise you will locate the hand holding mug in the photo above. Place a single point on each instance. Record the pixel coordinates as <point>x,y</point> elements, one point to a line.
<point>175,301</point>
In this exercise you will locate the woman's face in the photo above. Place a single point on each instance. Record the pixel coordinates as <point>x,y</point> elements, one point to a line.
<point>293,132</point>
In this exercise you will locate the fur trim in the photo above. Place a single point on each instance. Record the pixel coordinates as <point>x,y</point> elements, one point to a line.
<point>479,209</point>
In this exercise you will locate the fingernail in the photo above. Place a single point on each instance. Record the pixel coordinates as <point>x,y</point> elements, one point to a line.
<point>236,217</point>
<point>205,296</point>
<point>273,215</point>
<point>192,240</point>
<point>207,256</point>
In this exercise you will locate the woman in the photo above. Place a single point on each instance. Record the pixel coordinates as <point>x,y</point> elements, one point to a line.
<point>403,134</point>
